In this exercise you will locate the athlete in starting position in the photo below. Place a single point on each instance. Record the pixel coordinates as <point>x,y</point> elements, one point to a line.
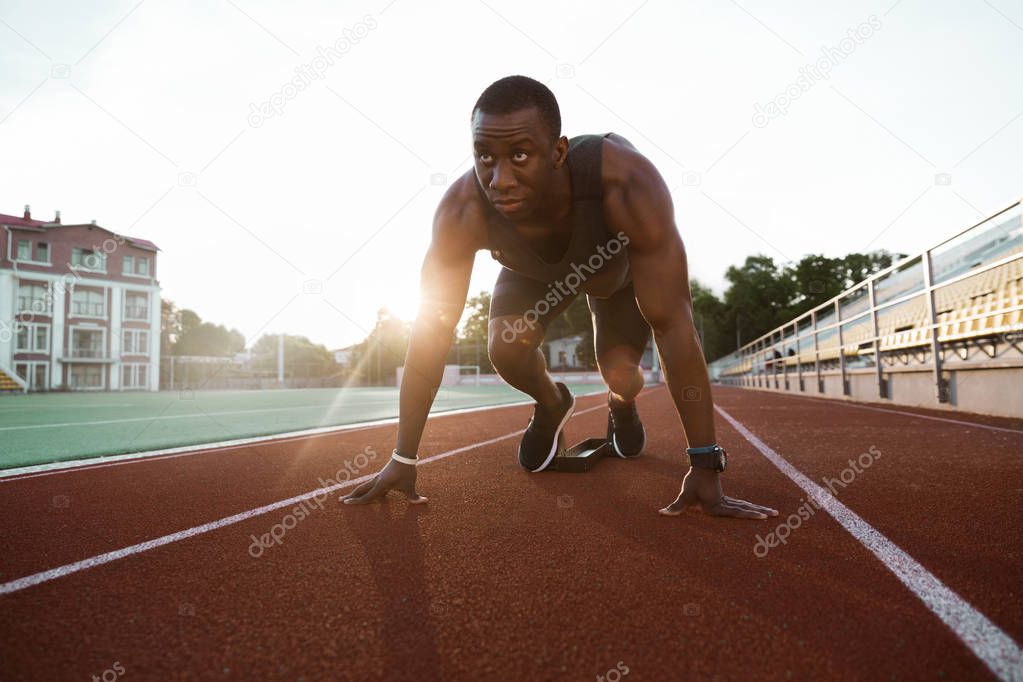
<point>590,215</point>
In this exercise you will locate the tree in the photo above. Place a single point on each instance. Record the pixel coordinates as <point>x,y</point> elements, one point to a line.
<point>761,295</point>
<point>170,326</point>
<point>302,357</point>
<point>182,332</point>
<point>818,278</point>
<point>379,354</point>
<point>709,317</point>
<point>474,330</point>
<point>758,298</point>
<point>471,343</point>
<point>208,339</point>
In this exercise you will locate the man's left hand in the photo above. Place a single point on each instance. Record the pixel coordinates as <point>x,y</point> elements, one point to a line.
<point>701,488</point>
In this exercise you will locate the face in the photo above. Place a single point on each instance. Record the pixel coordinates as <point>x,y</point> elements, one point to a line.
<point>515,160</point>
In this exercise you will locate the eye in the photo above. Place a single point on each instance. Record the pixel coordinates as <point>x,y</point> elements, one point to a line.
<point>484,157</point>
<point>520,156</point>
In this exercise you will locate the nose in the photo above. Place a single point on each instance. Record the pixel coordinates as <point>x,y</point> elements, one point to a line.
<point>502,179</point>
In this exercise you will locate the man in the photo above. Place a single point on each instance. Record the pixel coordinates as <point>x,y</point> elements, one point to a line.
<point>589,215</point>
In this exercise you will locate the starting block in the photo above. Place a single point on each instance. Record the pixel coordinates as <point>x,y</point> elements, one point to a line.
<point>582,456</point>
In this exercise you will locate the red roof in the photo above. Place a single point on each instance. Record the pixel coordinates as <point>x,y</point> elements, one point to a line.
<point>18,221</point>
<point>13,220</point>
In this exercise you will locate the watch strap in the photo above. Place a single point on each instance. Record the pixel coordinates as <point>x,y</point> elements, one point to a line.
<point>711,457</point>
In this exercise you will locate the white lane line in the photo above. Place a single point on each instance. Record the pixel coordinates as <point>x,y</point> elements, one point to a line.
<point>985,639</point>
<point>192,415</point>
<point>331,407</point>
<point>849,403</point>
<point>128,420</point>
<point>100,559</point>
<point>36,470</point>
<point>4,409</point>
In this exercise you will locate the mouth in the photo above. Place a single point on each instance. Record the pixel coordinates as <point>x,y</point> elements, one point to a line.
<point>509,205</point>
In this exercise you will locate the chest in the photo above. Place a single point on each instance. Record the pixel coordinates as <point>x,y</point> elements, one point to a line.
<point>547,242</point>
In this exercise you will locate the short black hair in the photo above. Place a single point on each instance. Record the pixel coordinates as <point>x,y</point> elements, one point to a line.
<point>514,93</point>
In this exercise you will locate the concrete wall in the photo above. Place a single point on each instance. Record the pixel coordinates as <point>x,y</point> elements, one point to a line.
<point>994,390</point>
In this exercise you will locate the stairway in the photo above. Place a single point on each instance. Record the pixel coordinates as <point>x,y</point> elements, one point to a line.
<point>8,384</point>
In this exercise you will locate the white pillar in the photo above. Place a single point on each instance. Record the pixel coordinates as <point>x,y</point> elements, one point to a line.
<point>58,296</point>
<point>8,291</point>
<point>116,310</point>
<point>154,339</point>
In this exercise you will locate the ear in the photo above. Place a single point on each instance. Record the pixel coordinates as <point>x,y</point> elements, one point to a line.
<point>561,152</point>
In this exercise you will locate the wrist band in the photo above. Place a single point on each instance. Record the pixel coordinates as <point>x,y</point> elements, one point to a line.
<point>411,461</point>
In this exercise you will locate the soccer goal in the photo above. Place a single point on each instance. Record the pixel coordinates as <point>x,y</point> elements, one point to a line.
<point>469,375</point>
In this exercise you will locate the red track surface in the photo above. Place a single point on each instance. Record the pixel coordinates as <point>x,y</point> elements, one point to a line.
<point>507,575</point>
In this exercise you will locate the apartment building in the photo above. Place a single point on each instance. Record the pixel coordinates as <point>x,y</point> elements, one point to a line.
<point>79,307</point>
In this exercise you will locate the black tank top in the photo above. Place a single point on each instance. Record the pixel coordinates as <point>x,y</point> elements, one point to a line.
<point>596,259</point>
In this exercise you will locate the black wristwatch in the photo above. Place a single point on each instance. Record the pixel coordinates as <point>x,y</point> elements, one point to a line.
<point>711,457</point>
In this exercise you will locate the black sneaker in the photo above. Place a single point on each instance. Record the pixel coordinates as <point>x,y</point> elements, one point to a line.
<point>624,429</point>
<point>543,435</point>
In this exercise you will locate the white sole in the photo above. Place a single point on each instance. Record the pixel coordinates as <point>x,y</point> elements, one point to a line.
<point>618,451</point>
<point>554,447</point>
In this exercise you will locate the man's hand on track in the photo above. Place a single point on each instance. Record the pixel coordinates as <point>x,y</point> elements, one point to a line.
<point>394,476</point>
<point>701,488</point>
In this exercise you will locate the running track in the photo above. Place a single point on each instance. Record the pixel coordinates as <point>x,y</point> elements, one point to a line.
<point>913,572</point>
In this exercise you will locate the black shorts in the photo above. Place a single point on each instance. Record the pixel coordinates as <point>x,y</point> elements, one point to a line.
<point>617,320</point>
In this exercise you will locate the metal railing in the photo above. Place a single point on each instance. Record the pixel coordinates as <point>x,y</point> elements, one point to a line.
<point>28,304</point>
<point>87,353</point>
<point>847,330</point>
<point>136,312</point>
<point>86,308</point>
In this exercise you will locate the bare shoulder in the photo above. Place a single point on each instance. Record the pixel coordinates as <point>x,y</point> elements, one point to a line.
<point>636,199</point>
<point>624,167</point>
<point>459,223</point>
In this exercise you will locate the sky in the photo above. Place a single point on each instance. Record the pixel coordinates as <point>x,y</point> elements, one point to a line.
<point>782,128</point>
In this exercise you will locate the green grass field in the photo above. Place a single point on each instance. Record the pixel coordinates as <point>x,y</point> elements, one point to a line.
<point>50,427</point>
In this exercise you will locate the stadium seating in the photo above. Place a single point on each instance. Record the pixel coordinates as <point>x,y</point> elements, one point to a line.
<point>981,306</point>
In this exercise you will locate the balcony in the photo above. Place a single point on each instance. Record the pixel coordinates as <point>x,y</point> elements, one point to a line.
<point>39,306</point>
<point>92,355</point>
<point>136,312</point>
<point>87,309</point>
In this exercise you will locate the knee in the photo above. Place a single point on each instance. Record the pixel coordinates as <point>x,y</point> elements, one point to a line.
<point>510,344</point>
<point>621,372</point>
<point>622,378</point>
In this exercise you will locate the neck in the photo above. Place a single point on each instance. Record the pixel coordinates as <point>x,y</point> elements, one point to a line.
<point>559,200</point>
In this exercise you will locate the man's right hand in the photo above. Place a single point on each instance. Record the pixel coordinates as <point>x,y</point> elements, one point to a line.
<point>394,476</point>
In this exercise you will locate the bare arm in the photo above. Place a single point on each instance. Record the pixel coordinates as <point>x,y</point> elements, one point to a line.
<point>638,204</point>
<point>457,235</point>
<point>444,285</point>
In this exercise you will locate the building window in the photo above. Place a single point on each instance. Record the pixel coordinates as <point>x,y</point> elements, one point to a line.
<point>88,303</point>
<point>32,338</point>
<point>42,252</point>
<point>35,374</point>
<point>88,343</point>
<point>87,259</point>
<point>136,342</point>
<point>24,249</point>
<point>85,376</point>
<point>33,298</point>
<point>137,266</point>
<point>136,306</point>
<point>135,375</point>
